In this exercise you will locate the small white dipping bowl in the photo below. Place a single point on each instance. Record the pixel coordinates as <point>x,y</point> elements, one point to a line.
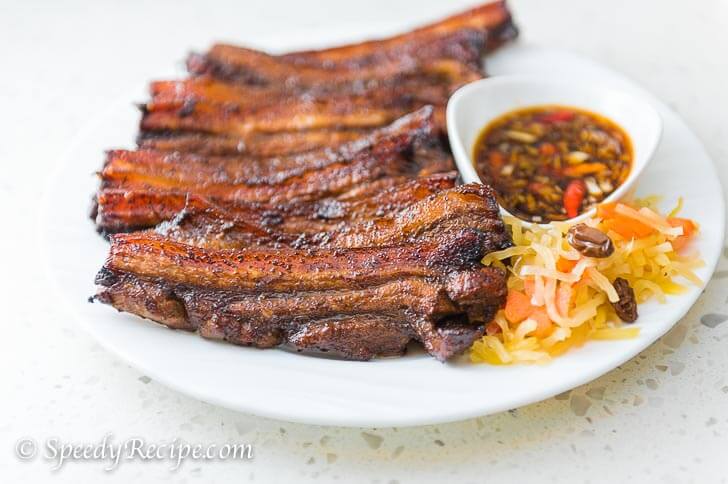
<point>475,105</point>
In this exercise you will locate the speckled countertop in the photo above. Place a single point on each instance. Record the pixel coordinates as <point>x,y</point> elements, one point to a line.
<point>662,417</point>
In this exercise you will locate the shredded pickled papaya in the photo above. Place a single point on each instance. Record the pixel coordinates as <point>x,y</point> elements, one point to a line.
<point>559,299</point>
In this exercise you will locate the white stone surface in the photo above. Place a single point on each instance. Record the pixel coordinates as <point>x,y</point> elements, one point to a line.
<point>663,417</point>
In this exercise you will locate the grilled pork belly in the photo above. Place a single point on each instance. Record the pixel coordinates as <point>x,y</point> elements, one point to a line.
<point>120,210</point>
<point>247,101</point>
<point>433,292</point>
<point>291,200</point>
<point>493,18</point>
<point>461,37</point>
<point>466,206</point>
<point>248,66</point>
<point>428,84</point>
<point>252,114</point>
<point>255,144</point>
<point>406,149</point>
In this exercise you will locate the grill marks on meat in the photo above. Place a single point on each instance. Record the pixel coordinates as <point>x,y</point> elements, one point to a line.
<point>248,66</point>
<point>406,153</point>
<point>471,205</point>
<point>415,132</point>
<point>493,18</point>
<point>460,37</point>
<point>121,210</point>
<point>243,99</point>
<point>239,120</point>
<point>428,85</point>
<point>355,112</point>
<point>255,144</point>
<point>211,106</point>
<point>264,297</point>
<point>288,211</point>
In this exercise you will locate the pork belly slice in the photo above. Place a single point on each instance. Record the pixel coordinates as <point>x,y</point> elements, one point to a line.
<point>461,37</point>
<point>255,144</point>
<point>382,162</point>
<point>415,131</point>
<point>408,152</point>
<point>209,117</point>
<point>355,112</point>
<point>466,206</point>
<point>333,180</point>
<point>492,17</point>
<point>435,292</point>
<point>120,210</point>
<point>431,83</point>
<point>247,66</point>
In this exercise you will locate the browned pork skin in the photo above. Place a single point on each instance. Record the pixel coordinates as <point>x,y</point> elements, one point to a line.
<point>121,210</point>
<point>290,123</point>
<point>252,67</point>
<point>416,129</point>
<point>254,144</point>
<point>461,37</point>
<point>433,83</point>
<point>353,112</point>
<point>333,180</point>
<point>492,17</point>
<point>437,293</point>
<point>408,153</point>
<point>467,206</point>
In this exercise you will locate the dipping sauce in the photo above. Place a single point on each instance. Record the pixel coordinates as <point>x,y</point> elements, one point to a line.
<point>550,162</point>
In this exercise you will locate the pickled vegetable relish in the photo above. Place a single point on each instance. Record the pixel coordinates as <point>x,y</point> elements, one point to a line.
<point>551,163</point>
<point>559,297</point>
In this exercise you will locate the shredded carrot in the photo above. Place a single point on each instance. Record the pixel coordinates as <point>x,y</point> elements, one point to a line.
<point>606,210</point>
<point>565,265</point>
<point>518,307</point>
<point>529,286</point>
<point>614,221</point>
<point>688,227</point>
<point>543,323</point>
<point>628,228</point>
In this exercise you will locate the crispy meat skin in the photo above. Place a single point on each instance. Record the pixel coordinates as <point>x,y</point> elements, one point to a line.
<point>417,128</point>
<point>434,41</point>
<point>492,17</point>
<point>262,297</point>
<point>255,144</point>
<point>213,107</point>
<point>383,161</point>
<point>122,210</point>
<point>359,112</point>
<point>429,84</point>
<point>450,210</point>
<point>373,82</point>
<point>248,66</point>
<point>407,149</point>
<point>288,269</point>
<point>355,87</point>
<point>323,100</point>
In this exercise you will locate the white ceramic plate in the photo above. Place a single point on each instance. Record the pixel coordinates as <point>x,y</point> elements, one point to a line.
<point>413,390</point>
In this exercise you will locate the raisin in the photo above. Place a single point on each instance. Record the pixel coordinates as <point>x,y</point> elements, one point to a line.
<point>626,306</point>
<point>589,241</point>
